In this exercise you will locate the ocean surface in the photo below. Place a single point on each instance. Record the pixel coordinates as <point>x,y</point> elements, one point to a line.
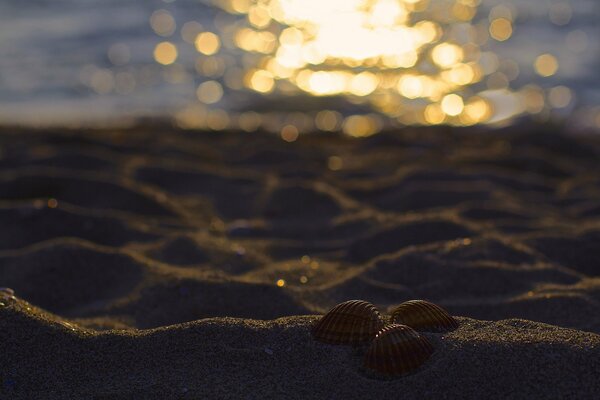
<point>291,66</point>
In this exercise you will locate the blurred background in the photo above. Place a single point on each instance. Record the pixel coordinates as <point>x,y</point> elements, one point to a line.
<point>294,66</point>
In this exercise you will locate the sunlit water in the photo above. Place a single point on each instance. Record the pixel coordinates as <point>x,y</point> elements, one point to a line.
<point>292,66</point>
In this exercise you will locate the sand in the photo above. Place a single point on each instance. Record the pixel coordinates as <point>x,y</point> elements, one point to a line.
<point>156,263</point>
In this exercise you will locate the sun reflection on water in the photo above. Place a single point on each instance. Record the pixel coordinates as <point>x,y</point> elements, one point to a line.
<point>402,62</point>
<point>405,56</point>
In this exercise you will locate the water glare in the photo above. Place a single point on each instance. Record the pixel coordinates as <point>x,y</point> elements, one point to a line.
<point>390,63</point>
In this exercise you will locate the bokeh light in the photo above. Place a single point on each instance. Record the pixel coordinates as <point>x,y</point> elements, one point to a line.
<point>207,43</point>
<point>546,65</point>
<point>163,23</point>
<point>501,29</point>
<point>165,53</point>
<point>210,92</point>
<point>402,62</point>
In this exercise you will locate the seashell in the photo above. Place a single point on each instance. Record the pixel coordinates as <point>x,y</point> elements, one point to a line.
<point>397,350</point>
<point>353,322</point>
<point>424,316</point>
<point>6,292</point>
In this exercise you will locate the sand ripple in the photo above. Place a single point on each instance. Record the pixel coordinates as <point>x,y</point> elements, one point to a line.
<point>144,229</point>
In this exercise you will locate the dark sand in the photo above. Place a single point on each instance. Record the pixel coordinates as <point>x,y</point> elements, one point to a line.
<point>152,271</point>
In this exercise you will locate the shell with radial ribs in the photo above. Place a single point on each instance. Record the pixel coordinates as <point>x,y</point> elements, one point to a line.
<point>353,322</point>
<point>397,350</point>
<point>423,316</point>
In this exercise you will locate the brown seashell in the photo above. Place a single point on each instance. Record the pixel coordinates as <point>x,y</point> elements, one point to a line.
<point>423,316</point>
<point>397,350</point>
<point>352,322</point>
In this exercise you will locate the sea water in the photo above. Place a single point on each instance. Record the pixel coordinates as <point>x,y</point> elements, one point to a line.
<point>279,64</point>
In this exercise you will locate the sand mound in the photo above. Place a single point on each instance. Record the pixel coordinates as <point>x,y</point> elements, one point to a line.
<point>237,358</point>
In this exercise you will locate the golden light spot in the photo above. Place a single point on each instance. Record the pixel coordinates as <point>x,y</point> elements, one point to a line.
<point>463,12</point>
<point>546,65</point>
<point>251,40</point>
<point>280,282</point>
<point>289,133</point>
<point>386,13</point>
<point>162,22</point>
<point>258,16</point>
<point>404,60</point>
<point>411,86</point>
<point>452,105</point>
<point>360,126</point>
<point>290,57</point>
<point>52,203</point>
<point>217,120</point>
<point>207,43</point>
<point>461,74</point>
<point>428,31</point>
<point>249,121</point>
<point>279,70</point>
<point>434,114</point>
<point>335,163</point>
<point>363,84</point>
<point>501,29</point>
<point>328,121</point>
<point>291,37</point>
<point>305,259</point>
<point>303,279</point>
<point>165,53</point>
<point>560,97</point>
<point>320,82</point>
<point>446,55</point>
<point>209,92</point>
<point>262,81</point>
<point>312,55</point>
<point>477,110</point>
<point>240,6</point>
<point>326,83</point>
<point>314,264</point>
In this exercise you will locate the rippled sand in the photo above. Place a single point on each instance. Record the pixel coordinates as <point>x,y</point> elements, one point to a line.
<point>112,232</point>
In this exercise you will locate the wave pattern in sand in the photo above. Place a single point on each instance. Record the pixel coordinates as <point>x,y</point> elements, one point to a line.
<point>144,229</point>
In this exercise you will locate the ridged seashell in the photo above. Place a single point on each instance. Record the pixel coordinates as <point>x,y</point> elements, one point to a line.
<point>423,316</point>
<point>397,350</point>
<point>6,292</point>
<point>353,322</point>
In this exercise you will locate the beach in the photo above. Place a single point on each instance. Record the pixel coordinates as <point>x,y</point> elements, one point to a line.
<point>160,263</point>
